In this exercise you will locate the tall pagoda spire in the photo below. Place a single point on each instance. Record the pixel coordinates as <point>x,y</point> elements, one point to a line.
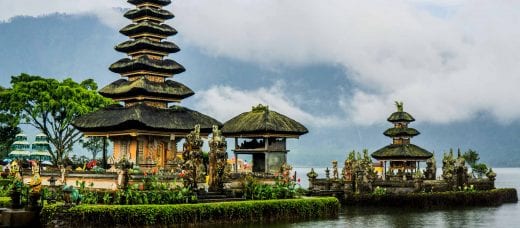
<point>401,148</point>
<point>147,67</point>
<point>401,133</point>
<point>146,129</point>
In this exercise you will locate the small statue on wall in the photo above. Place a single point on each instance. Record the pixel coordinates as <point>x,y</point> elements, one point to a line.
<point>335,174</point>
<point>347,170</point>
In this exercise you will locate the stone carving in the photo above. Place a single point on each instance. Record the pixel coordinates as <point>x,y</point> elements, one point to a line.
<point>312,178</point>
<point>491,175</point>
<point>285,171</point>
<point>461,171</point>
<point>327,173</point>
<point>448,167</point>
<point>192,158</point>
<point>217,160</point>
<point>335,174</point>
<point>347,170</point>
<point>431,169</point>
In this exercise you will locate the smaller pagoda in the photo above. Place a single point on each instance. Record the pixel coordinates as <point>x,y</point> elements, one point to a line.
<point>403,156</point>
<point>21,148</point>
<point>40,148</point>
<point>262,133</point>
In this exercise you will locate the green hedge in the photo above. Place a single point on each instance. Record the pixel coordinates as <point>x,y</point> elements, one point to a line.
<point>224,212</point>
<point>493,197</point>
<point>5,201</point>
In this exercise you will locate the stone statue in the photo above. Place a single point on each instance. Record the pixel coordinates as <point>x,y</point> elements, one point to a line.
<point>461,171</point>
<point>285,171</point>
<point>347,170</point>
<point>448,167</point>
<point>63,175</point>
<point>491,175</point>
<point>399,105</point>
<point>192,158</point>
<point>431,169</point>
<point>327,173</point>
<point>36,182</point>
<point>312,178</point>
<point>217,160</point>
<point>335,174</point>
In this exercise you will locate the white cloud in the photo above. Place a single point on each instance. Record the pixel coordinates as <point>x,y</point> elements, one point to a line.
<point>224,103</point>
<point>448,60</point>
<point>108,11</point>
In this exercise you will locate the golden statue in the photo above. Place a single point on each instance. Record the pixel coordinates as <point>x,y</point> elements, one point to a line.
<point>15,170</point>
<point>36,180</point>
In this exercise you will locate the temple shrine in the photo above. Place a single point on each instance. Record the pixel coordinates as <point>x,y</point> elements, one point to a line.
<point>263,134</point>
<point>21,148</point>
<point>402,156</point>
<point>144,128</point>
<point>40,148</point>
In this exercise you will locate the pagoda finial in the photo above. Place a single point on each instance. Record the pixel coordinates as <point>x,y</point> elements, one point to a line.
<point>399,105</point>
<point>260,108</point>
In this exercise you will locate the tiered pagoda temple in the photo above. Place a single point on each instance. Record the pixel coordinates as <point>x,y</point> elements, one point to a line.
<point>144,127</point>
<point>403,156</point>
<point>40,148</point>
<point>262,133</point>
<point>21,148</point>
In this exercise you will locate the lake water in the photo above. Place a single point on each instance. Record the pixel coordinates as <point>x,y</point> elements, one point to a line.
<point>507,215</point>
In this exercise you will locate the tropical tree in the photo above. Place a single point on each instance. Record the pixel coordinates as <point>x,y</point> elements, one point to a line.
<point>477,169</point>
<point>8,131</point>
<point>94,145</point>
<point>471,157</point>
<point>50,106</point>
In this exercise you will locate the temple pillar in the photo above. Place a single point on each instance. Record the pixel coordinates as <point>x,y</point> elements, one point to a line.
<point>104,161</point>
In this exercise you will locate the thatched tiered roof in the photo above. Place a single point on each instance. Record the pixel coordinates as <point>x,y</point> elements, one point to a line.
<point>165,66</point>
<point>396,132</point>
<point>146,93</point>
<point>147,44</point>
<point>404,152</point>
<point>148,27</point>
<point>143,87</point>
<point>401,148</point>
<point>261,122</point>
<point>143,117</point>
<point>156,2</point>
<point>147,11</point>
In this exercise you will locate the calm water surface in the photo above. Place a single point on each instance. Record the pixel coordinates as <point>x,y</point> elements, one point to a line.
<point>507,215</point>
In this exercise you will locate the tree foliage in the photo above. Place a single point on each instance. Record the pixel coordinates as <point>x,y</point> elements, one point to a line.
<point>471,157</point>
<point>478,169</point>
<point>94,145</point>
<point>8,131</point>
<point>50,106</point>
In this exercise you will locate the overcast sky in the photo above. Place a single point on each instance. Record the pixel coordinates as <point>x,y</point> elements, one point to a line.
<point>450,61</point>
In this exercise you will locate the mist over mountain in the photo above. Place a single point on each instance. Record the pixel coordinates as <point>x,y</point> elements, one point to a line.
<point>315,93</point>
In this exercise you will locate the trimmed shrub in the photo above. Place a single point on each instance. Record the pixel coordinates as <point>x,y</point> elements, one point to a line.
<point>5,201</point>
<point>224,212</point>
<point>493,197</point>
